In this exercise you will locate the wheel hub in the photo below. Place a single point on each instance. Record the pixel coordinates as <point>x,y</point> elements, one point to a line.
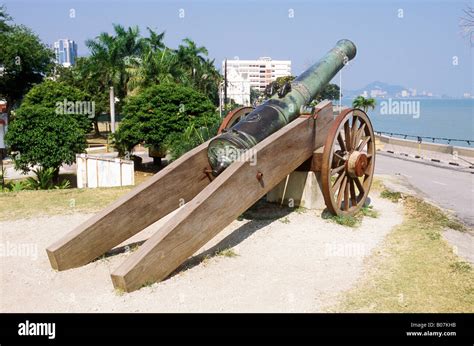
<point>357,164</point>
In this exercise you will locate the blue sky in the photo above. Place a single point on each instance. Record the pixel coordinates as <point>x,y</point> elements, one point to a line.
<point>414,51</point>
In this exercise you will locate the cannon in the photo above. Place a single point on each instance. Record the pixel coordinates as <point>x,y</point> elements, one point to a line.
<point>207,188</point>
<point>281,109</point>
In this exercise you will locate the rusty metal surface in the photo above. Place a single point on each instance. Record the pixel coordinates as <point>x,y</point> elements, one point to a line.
<point>348,162</point>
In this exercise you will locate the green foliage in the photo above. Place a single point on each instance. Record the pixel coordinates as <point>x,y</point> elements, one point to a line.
<point>391,195</point>
<point>160,111</point>
<point>348,221</point>
<point>255,95</point>
<point>85,75</point>
<point>43,179</point>
<point>368,210</point>
<point>272,88</point>
<point>17,186</point>
<point>329,92</point>
<point>51,95</point>
<point>362,103</point>
<point>191,137</point>
<point>24,60</point>
<point>44,138</point>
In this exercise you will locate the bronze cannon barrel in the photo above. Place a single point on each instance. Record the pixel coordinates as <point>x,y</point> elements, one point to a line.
<point>279,110</point>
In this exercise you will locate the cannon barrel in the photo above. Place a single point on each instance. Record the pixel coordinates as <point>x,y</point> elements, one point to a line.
<point>279,110</point>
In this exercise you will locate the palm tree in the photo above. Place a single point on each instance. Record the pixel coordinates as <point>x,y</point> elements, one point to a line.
<point>362,103</point>
<point>191,57</point>
<point>112,54</point>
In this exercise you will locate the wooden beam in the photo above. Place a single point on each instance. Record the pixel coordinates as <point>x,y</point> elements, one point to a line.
<point>147,203</point>
<point>215,207</point>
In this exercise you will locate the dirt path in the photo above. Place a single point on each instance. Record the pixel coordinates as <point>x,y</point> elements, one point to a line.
<point>298,263</point>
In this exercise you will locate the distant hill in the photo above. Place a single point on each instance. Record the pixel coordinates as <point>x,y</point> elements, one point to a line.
<point>391,90</point>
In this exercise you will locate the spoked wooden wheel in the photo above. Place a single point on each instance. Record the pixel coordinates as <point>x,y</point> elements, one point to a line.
<point>348,162</point>
<point>233,117</point>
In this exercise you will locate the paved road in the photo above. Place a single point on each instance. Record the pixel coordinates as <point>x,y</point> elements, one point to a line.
<point>449,188</point>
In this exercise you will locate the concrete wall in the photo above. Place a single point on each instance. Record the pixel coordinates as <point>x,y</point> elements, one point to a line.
<point>439,148</point>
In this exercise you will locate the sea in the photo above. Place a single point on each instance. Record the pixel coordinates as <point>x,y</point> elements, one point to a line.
<point>452,119</point>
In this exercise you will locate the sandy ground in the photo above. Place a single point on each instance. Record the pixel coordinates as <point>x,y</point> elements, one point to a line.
<point>296,266</point>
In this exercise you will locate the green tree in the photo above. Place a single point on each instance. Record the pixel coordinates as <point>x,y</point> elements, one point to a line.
<point>4,19</point>
<point>111,55</point>
<point>24,60</point>
<point>272,88</point>
<point>52,95</point>
<point>43,138</point>
<point>329,92</point>
<point>160,111</point>
<point>86,76</point>
<point>255,95</point>
<point>364,103</point>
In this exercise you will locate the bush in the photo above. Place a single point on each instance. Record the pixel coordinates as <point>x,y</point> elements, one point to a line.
<point>51,94</point>
<point>43,138</point>
<point>180,143</point>
<point>160,111</point>
<point>43,180</point>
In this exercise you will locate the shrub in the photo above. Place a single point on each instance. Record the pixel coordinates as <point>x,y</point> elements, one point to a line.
<point>160,111</point>
<point>180,143</point>
<point>51,94</point>
<point>43,180</point>
<point>43,138</point>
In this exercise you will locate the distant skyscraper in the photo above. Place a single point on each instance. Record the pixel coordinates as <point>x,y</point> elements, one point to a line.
<point>66,52</point>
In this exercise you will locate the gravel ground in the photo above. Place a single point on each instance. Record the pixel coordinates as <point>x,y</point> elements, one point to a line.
<point>298,263</point>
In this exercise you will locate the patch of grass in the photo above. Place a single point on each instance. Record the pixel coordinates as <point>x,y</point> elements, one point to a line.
<point>227,253</point>
<point>461,267</point>
<point>369,211</point>
<point>415,270</point>
<point>300,210</point>
<point>348,221</point>
<point>24,204</point>
<point>456,225</point>
<point>377,185</point>
<point>284,220</point>
<point>391,195</point>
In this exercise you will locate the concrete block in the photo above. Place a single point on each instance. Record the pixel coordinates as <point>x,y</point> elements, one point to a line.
<point>299,189</point>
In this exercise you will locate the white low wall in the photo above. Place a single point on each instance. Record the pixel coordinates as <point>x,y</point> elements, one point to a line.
<point>94,171</point>
<point>435,147</point>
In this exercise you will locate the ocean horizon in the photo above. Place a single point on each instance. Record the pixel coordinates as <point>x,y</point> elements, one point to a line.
<point>443,118</point>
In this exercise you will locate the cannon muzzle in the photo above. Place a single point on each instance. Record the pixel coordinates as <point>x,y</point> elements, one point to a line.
<point>279,110</point>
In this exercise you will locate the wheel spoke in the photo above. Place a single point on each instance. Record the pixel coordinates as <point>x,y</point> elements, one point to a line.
<point>359,186</point>
<point>341,141</point>
<point>341,192</point>
<point>364,143</point>
<point>337,169</point>
<point>353,131</point>
<point>339,157</point>
<point>346,196</point>
<point>358,135</point>
<point>347,133</point>
<point>338,181</point>
<point>353,193</point>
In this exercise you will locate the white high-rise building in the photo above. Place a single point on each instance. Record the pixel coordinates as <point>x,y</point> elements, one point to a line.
<point>243,75</point>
